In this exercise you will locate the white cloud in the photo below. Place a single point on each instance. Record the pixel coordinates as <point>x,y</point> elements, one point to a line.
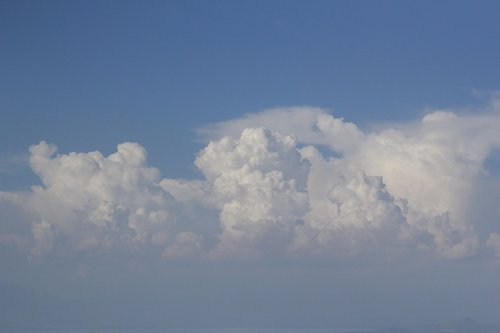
<point>438,116</point>
<point>267,190</point>
<point>412,184</point>
<point>258,183</point>
<point>89,201</point>
<point>349,211</point>
<point>309,125</point>
<point>435,166</point>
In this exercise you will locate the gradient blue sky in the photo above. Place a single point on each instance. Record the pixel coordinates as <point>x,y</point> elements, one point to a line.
<point>88,75</point>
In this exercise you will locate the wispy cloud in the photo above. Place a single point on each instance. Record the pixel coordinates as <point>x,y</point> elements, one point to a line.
<point>12,163</point>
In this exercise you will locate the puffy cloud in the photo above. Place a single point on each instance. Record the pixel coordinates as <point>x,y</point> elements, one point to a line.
<point>436,166</point>
<point>349,211</point>
<point>268,189</point>
<point>258,184</point>
<point>406,186</point>
<point>309,125</point>
<point>438,117</point>
<point>88,201</point>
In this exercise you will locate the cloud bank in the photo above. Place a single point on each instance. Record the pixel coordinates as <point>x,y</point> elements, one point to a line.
<point>287,182</point>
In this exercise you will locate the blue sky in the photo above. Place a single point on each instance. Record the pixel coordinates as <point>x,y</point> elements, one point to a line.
<point>259,163</point>
<point>89,75</point>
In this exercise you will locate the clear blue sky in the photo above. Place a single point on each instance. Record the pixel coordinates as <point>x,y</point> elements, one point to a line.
<point>88,75</point>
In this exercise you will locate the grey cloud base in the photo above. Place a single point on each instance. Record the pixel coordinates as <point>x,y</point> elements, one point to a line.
<point>269,188</point>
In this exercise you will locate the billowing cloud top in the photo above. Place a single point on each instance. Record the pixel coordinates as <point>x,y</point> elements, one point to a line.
<point>269,189</point>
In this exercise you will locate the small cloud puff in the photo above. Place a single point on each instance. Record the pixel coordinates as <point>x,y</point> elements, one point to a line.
<point>438,116</point>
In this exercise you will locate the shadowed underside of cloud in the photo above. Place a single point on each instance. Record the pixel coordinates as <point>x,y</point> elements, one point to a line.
<point>268,189</point>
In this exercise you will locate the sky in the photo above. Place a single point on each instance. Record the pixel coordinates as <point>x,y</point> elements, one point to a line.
<point>248,164</point>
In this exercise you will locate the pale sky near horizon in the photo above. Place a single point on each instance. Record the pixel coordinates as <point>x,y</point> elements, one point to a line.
<point>251,164</point>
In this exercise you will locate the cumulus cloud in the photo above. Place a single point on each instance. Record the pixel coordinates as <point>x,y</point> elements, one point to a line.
<point>89,202</point>
<point>349,210</point>
<point>267,189</point>
<point>412,184</point>
<point>258,183</point>
<point>308,124</point>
